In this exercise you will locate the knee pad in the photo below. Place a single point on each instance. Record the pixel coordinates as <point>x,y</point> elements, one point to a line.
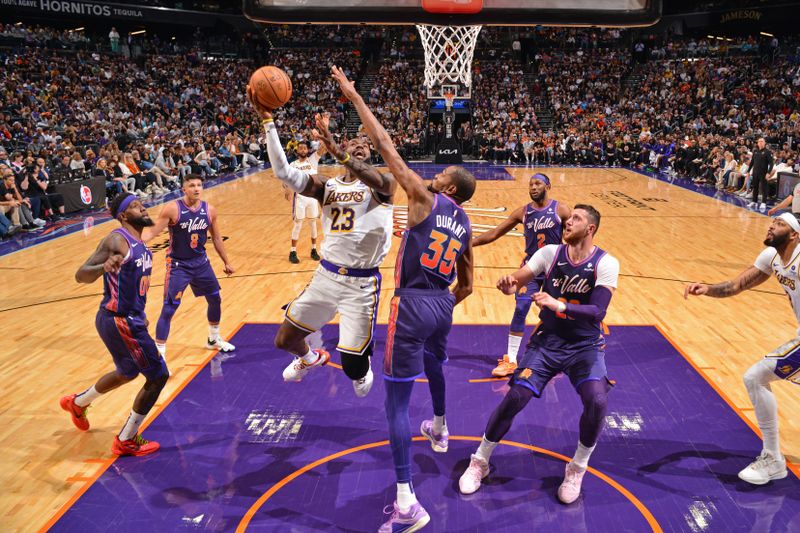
<point>760,373</point>
<point>298,224</point>
<point>168,310</point>
<point>520,314</point>
<point>356,366</point>
<point>595,403</point>
<point>156,384</point>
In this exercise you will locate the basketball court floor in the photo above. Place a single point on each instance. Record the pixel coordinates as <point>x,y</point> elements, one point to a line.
<point>242,450</point>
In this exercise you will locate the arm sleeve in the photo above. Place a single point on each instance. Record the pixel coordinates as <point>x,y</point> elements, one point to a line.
<point>295,179</point>
<point>595,310</point>
<point>764,260</point>
<point>543,259</point>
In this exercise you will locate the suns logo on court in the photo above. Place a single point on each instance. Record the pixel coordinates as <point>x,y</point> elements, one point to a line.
<point>525,374</point>
<point>785,369</point>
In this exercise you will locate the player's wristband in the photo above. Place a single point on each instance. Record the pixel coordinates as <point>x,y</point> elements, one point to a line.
<point>345,160</point>
<point>267,121</point>
<point>562,307</point>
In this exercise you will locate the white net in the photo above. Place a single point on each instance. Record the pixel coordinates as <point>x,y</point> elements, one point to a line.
<point>448,56</point>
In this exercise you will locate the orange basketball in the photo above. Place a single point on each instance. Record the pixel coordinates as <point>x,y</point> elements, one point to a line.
<point>271,87</point>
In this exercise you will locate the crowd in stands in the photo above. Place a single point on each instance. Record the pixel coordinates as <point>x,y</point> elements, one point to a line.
<point>80,110</point>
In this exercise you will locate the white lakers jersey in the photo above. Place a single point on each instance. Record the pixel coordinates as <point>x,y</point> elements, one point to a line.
<point>357,226</point>
<point>302,204</point>
<point>309,165</point>
<point>769,262</point>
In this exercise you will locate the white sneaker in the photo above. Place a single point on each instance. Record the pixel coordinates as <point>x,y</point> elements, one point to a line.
<point>764,469</point>
<point>298,368</point>
<point>570,488</point>
<point>219,344</point>
<point>39,222</point>
<point>762,207</point>
<point>362,386</point>
<point>470,480</point>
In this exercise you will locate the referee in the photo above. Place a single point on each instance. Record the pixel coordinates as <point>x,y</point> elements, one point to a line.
<point>760,165</point>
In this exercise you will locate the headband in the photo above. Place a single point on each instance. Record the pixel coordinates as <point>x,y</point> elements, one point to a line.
<point>542,177</point>
<point>791,220</point>
<point>127,202</point>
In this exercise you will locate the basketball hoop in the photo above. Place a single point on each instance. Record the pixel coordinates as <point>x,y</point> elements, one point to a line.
<point>448,56</point>
<point>448,100</point>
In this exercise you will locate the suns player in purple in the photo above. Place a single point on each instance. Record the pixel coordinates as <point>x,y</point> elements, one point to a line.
<point>125,264</point>
<point>435,251</point>
<point>541,221</point>
<point>190,219</point>
<point>579,282</point>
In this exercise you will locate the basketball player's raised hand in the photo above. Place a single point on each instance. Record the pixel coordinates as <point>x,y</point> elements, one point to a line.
<point>262,111</point>
<point>695,289</point>
<point>348,87</point>
<point>113,263</point>
<point>323,134</point>
<point>507,285</point>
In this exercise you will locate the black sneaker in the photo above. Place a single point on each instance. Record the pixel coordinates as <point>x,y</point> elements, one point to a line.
<point>314,254</point>
<point>29,227</point>
<point>293,258</point>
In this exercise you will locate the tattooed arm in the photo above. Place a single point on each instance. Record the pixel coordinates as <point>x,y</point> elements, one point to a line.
<point>746,280</point>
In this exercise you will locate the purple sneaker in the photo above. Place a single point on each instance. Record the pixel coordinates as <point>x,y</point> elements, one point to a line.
<point>415,519</point>
<point>438,442</point>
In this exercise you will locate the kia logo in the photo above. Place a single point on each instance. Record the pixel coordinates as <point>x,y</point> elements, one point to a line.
<point>450,151</point>
<point>86,195</point>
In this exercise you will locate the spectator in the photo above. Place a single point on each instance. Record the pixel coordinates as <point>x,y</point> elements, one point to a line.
<point>113,38</point>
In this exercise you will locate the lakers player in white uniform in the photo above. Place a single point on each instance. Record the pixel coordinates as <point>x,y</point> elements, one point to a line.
<point>304,207</point>
<point>781,258</point>
<point>357,223</point>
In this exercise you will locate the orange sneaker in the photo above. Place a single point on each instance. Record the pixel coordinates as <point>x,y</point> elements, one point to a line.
<point>77,412</point>
<point>135,446</point>
<point>504,368</point>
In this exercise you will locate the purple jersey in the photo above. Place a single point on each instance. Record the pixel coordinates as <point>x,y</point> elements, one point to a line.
<point>571,283</point>
<point>429,251</point>
<point>541,227</point>
<point>188,236</point>
<point>125,292</point>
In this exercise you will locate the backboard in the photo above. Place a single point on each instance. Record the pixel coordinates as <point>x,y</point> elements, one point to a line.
<point>457,12</point>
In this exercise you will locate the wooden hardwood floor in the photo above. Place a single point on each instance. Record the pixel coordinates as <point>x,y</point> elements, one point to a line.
<point>663,236</point>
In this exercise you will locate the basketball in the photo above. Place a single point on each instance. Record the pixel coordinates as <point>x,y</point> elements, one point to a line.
<point>271,87</point>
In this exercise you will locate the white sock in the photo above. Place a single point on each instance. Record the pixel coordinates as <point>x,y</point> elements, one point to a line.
<point>162,349</point>
<point>405,496</point>
<point>439,424</point>
<point>131,427</point>
<point>86,397</point>
<point>294,248</point>
<point>213,332</point>
<point>485,449</point>
<point>582,455</point>
<point>310,357</point>
<point>314,340</point>
<point>513,347</point>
